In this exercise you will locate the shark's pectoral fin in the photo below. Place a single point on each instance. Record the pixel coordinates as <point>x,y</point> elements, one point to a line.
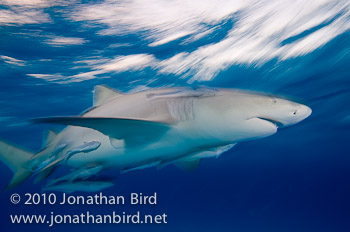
<point>132,131</point>
<point>187,164</point>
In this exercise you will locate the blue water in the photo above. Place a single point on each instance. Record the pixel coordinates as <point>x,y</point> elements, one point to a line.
<point>295,180</point>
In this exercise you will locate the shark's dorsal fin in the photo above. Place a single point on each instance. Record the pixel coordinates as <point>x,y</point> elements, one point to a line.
<point>49,136</point>
<point>103,94</point>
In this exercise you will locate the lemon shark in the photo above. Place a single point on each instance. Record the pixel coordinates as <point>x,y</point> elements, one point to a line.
<point>157,127</point>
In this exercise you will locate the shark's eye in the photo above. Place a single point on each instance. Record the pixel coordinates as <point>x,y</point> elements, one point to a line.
<point>295,112</point>
<point>274,101</point>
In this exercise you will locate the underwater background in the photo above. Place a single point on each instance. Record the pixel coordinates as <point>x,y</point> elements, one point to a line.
<point>52,54</point>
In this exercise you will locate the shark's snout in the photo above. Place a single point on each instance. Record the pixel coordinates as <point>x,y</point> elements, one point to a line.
<point>303,112</point>
<point>300,113</point>
<point>286,115</point>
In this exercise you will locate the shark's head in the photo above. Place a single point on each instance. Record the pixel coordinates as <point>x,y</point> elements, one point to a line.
<point>264,114</point>
<point>243,116</point>
<point>278,111</point>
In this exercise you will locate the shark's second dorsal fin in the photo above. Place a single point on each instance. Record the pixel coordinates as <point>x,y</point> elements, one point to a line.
<point>103,94</point>
<point>49,136</point>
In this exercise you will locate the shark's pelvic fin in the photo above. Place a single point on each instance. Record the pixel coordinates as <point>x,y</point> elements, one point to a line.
<point>103,94</point>
<point>133,131</point>
<point>15,158</point>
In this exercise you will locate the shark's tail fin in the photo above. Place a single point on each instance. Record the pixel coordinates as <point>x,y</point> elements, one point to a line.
<point>15,159</point>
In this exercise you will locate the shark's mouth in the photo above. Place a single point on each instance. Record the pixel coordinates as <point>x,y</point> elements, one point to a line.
<point>276,123</point>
